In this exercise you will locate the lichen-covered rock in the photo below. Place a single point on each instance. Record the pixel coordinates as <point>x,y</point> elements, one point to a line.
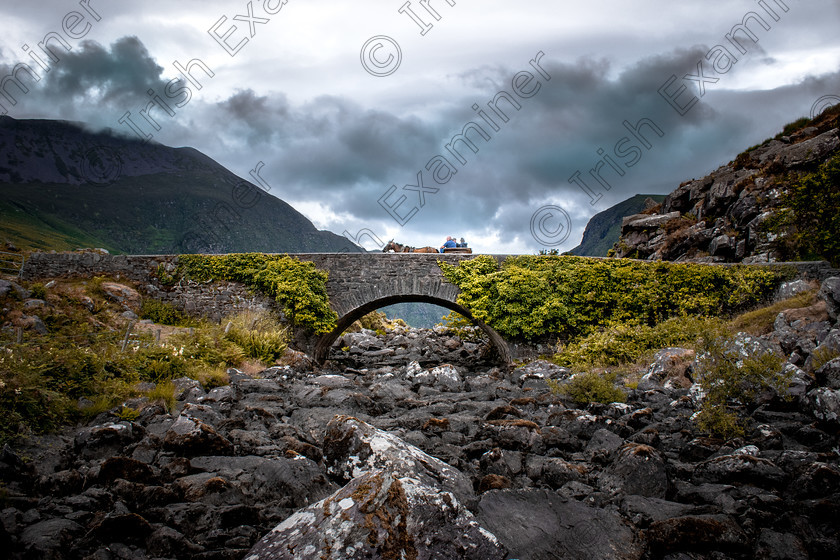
<point>447,378</point>
<point>670,369</point>
<point>378,515</point>
<point>353,447</point>
<point>828,375</point>
<point>791,288</point>
<point>825,404</point>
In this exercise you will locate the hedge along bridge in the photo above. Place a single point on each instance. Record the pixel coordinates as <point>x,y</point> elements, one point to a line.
<point>358,283</point>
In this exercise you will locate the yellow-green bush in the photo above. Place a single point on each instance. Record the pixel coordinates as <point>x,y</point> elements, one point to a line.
<point>622,344</point>
<point>298,286</point>
<point>589,387</point>
<point>163,394</point>
<point>536,296</point>
<point>379,322</point>
<point>259,334</point>
<point>165,314</point>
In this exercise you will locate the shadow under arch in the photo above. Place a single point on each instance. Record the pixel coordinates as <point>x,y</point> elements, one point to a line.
<point>322,347</point>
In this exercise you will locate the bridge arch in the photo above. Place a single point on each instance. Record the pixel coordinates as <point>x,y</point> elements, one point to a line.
<point>325,342</point>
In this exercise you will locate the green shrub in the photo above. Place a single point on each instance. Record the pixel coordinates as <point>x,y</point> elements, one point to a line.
<point>623,344</point>
<point>535,296</point>
<point>39,291</point>
<point>128,414</point>
<point>259,334</point>
<point>27,402</point>
<point>207,346</point>
<point>379,322</point>
<point>298,286</point>
<point>94,287</point>
<point>728,378</point>
<point>808,220</point>
<point>165,314</point>
<point>821,356</point>
<point>164,277</point>
<point>589,387</point>
<point>164,394</point>
<point>210,377</point>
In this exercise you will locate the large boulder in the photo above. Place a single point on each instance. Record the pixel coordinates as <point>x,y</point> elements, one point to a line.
<point>7,287</point>
<point>126,296</point>
<point>379,515</point>
<point>541,525</point>
<point>740,467</point>
<point>283,482</point>
<point>190,436</point>
<point>105,440</point>
<point>637,469</point>
<point>828,375</point>
<point>51,538</point>
<point>353,447</point>
<point>695,533</point>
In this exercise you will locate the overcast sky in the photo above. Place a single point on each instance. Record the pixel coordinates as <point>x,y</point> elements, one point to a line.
<point>346,103</point>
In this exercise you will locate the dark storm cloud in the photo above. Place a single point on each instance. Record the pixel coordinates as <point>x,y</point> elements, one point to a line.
<point>89,81</point>
<point>346,156</point>
<point>119,73</point>
<point>328,142</point>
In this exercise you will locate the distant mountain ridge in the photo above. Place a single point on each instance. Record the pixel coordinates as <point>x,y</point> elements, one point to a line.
<point>63,187</point>
<point>604,228</point>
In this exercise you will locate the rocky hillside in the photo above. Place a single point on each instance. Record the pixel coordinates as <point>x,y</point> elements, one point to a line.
<point>445,461</point>
<point>63,187</point>
<point>724,217</point>
<point>604,228</point>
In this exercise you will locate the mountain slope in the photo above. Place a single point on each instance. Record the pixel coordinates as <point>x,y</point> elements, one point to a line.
<point>604,228</point>
<point>62,186</point>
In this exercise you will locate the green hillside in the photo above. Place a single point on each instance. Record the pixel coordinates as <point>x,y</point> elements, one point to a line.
<point>63,187</point>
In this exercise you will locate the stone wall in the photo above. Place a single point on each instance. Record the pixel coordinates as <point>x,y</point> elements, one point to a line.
<point>354,280</point>
<point>213,300</point>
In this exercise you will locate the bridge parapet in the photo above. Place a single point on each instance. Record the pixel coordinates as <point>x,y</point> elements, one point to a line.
<point>357,284</point>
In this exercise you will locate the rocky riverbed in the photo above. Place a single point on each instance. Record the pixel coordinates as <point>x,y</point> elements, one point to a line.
<point>418,460</point>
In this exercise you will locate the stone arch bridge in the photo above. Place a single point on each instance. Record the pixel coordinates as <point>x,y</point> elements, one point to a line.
<point>361,283</point>
<point>358,283</point>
